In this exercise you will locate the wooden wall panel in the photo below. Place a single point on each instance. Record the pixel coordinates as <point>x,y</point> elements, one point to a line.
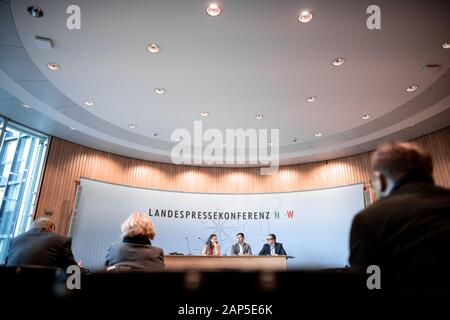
<point>67,162</point>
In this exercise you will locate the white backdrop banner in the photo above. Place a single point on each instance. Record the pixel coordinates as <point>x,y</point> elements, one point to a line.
<point>313,226</point>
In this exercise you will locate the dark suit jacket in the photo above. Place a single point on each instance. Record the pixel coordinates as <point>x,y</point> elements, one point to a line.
<point>246,249</point>
<point>135,256</point>
<point>265,251</point>
<point>406,234</point>
<point>41,248</point>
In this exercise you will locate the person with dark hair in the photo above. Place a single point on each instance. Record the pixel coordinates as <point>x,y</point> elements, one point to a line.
<point>272,247</point>
<point>406,233</point>
<point>41,246</point>
<point>212,247</point>
<point>241,248</point>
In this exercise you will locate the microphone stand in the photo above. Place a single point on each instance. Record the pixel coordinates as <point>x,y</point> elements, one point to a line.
<point>189,247</point>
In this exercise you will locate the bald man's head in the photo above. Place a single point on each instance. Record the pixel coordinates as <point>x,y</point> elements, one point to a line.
<point>393,160</point>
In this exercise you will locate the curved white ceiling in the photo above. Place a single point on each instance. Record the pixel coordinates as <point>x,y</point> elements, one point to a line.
<point>254,58</point>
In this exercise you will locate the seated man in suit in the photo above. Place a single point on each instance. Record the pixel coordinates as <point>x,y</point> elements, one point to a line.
<point>272,247</point>
<point>406,233</point>
<point>241,248</point>
<point>41,246</point>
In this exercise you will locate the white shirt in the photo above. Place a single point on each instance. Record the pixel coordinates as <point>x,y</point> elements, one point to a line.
<point>272,250</point>
<point>241,248</point>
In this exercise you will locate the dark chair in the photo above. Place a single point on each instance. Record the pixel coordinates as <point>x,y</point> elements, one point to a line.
<point>29,283</point>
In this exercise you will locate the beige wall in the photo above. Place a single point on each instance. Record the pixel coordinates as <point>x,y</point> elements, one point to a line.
<point>67,162</point>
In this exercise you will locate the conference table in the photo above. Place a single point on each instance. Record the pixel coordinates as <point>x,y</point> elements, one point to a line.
<point>190,262</point>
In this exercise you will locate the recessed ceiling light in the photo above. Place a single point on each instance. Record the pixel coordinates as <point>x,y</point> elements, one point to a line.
<point>446,45</point>
<point>311,99</point>
<point>72,128</point>
<point>89,103</point>
<point>259,116</point>
<point>132,126</point>
<point>366,117</point>
<point>153,48</point>
<point>204,113</point>
<point>295,140</point>
<point>338,62</point>
<point>35,11</point>
<point>26,105</point>
<point>305,16</point>
<point>213,10</point>
<point>412,88</point>
<point>53,66</point>
<point>318,134</point>
<point>160,90</point>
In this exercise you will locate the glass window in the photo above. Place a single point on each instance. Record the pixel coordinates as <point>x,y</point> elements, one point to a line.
<point>22,154</point>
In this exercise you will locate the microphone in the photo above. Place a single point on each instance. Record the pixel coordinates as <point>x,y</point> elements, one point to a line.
<point>203,241</point>
<point>189,247</point>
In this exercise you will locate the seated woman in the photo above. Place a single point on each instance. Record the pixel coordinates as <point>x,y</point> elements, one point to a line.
<point>135,251</point>
<point>212,247</point>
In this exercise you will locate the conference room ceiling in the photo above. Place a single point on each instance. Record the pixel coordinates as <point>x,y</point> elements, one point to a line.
<point>254,58</point>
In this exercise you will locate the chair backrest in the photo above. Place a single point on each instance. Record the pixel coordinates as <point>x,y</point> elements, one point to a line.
<point>29,283</point>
